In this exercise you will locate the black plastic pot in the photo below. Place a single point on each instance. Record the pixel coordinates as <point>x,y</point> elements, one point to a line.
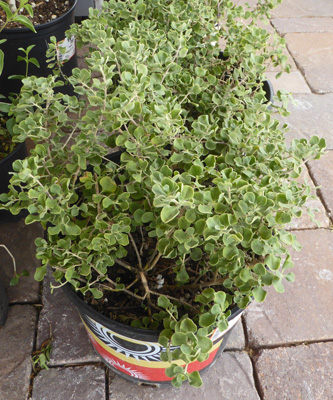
<point>3,305</point>
<point>267,86</point>
<point>19,153</point>
<point>268,89</point>
<point>24,37</point>
<point>134,353</point>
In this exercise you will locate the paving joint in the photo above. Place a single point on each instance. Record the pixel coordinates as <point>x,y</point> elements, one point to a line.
<point>107,383</point>
<point>259,348</point>
<point>79,364</point>
<point>300,69</point>
<point>319,193</point>
<point>252,353</point>
<point>38,308</point>
<point>256,379</point>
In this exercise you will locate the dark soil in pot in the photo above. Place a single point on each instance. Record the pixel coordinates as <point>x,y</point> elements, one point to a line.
<point>44,11</point>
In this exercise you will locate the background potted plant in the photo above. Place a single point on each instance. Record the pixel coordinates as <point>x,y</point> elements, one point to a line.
<point>165,188</point>
<point>24,39</point>
<point>30,25</point>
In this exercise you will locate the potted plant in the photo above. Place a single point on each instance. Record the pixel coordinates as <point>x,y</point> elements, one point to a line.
<point>30,25</point>
<point>10,151</point>
<point>165,187</point>
<point>20,28</point>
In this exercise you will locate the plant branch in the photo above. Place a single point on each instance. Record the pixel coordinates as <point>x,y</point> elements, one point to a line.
<point>135,249</point>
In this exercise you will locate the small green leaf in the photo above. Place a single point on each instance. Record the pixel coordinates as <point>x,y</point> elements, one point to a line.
<point>187,193</point>
<point>108,185</point>
<point>187,325</point>
<point>229,252</point>
<point>258,247</point>
<point>40,273</point>
<point>98,294</point>
<point>219,298</point>
<point>14,281</point>
<point>147,217</point>
<point>259,294</point>
<point>195,379</point>
<point>205,344</point>
<point>1,61</point>
<point>179,338</point>
<point>259,269</point>
<point>168,213</point>
<point>278,286</point>
<point>282,218</point>
<point>196,254</point>
<point>206,320</point>
<point>290,277</point>
<point>273,262</point>
<point>25,21</point>
<point>164,302</point>
<point>72,229</point>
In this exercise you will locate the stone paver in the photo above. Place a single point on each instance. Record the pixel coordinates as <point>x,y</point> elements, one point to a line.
<point>70,344</point>
<point>19,239</point>
<point>16,346</point>
<point>292,82</point>
<point>304,311</point>
<point>302,25</point>
<point>322,172</point>
<point>236,340</point>
<point>74,383</point>
<point>297,373</point>
<point>231,377</point>
<point>304,8</point>
<point>305,221</point>
<point>313,53</point>
<point>310,115</point>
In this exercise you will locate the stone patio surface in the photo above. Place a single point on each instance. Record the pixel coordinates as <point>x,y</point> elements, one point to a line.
<point>281,349</point>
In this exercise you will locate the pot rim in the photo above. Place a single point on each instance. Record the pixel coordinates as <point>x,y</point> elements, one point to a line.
<point>118,327</point>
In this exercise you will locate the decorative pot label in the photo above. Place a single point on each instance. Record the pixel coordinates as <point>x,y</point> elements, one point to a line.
<point>139,359</point>
<point>69,46</point>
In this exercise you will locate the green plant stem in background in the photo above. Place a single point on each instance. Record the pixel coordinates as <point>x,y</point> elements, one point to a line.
<point>16,276</point>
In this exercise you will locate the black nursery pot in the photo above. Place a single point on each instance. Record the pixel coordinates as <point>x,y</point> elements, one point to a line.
<point>24,37</point>
<point>19,153</point>
<point>134,353</point>
<point>267,85</point>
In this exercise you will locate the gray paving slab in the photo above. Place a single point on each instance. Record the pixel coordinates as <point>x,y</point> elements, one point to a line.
<point>19,239</point>
<point>302,25</point>
<point>303,312</point>
<point>321,216</point>
<point>236,340</point>
<point>313,54</point>
<point>16,344</point>
<point>231,377</point>
<point>302,372</point>
<point>72,383</point>
<point>310,115</point>
<point>304,8</point>
<point>322,173</point>
<point>293,82</point>
<point>70,344</point>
